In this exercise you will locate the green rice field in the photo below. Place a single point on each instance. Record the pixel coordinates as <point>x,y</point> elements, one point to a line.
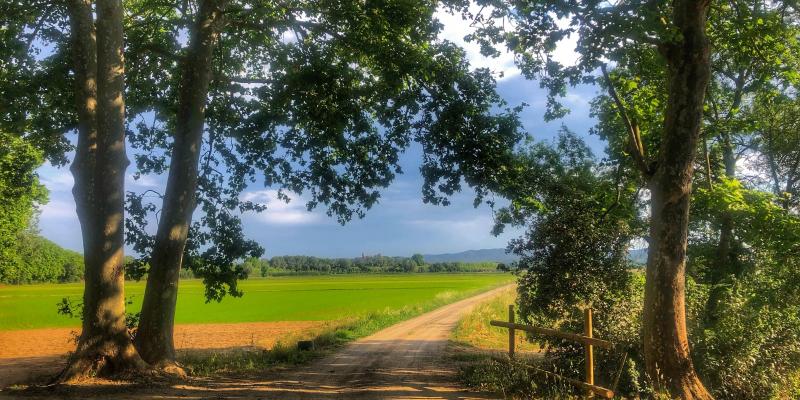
<point>291,298</point>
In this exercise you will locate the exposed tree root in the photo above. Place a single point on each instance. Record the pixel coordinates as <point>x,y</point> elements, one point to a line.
<point>171,368</point>
<point>105,359</point>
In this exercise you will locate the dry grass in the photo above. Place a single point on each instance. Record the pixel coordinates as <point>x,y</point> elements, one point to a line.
<point>474,330</point>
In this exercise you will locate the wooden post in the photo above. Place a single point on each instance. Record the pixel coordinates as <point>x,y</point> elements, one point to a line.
<point>587,324</point>
<point>511,333</point>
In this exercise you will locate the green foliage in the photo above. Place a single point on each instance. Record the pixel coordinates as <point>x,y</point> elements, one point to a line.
<point>40,260</point>
<point>313,99</point>
<point>20,191</point>
<point>580,217</point>
<point>749,112</point>
<point>283,265</point>
<point>254,264</point>
<point>306,96</point>
<point>753,349</point>
<point>512,381</point>
<point>777,120</point>
<point>750,348</point>
<point>36,91</point>
<point>580,221</point>
<point>70,309</point>
<point>606,32</point>
<point>762,224</point>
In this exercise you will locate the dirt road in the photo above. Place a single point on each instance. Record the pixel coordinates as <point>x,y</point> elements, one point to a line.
<point>401,362</point>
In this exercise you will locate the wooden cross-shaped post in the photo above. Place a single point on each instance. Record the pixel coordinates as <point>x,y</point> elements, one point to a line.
<point>511,335</point>
<point>587,325</point>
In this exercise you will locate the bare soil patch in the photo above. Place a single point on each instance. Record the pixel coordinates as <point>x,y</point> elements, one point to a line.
<point>32,353</point>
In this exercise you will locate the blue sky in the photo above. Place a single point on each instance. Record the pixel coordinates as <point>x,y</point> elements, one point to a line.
<point>401,224</point>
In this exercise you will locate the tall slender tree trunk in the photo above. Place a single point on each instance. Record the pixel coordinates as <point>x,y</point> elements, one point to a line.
<point>725,247</point>
<point>154,338</point>
<point>725,262</point>
<point>104,346</point>
<point>666,346</point>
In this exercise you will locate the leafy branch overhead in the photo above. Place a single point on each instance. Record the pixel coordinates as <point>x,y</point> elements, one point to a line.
<point>310,97</point>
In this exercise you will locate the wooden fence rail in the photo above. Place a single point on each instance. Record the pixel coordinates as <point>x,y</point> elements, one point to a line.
<point>587,339</point>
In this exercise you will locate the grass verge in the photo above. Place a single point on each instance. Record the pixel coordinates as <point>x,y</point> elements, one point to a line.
<point>473,329</point>
<point>480,353</point>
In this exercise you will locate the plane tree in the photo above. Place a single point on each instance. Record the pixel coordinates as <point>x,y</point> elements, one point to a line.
<point>616,33</point>
<point>307,97</point>
<point>754,59</point>
<point>655,63</point>
<point>312,97</point>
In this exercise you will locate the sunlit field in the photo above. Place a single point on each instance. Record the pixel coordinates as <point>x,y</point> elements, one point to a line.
<point>304,298</point>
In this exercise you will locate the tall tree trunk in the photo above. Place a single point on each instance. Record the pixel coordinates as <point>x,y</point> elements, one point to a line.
<point>666,345</point>
<point>725,262</point>
<point>154,339</point>
<point>104,346</point>
<point>725,247</point>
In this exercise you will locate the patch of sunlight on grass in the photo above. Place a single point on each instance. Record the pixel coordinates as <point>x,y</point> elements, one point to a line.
<point>474,329</point>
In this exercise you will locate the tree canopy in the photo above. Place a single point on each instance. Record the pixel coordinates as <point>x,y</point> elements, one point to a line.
<point>20,192</point>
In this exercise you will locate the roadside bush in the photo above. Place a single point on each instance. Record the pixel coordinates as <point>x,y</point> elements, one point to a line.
<point>574,254</point>
<point>748,344</point>
<point>752,351</point>
<point>500,376</point>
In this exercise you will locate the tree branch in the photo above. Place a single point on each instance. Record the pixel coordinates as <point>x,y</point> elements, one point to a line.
<point>634,134</point>
<point>162,52</point>
<point>241,79</point>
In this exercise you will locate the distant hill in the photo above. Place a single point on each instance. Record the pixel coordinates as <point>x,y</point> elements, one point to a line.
<point>637,256</point>
<point>483,255</point>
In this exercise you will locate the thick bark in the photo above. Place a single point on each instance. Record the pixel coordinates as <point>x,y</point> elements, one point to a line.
<point>154,338</point>
<point>104,346</point>
<point>666,346</point>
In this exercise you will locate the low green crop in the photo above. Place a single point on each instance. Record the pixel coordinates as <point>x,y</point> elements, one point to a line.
<point>306,298</point>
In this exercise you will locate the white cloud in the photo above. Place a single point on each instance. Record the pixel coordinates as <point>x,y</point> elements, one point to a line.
<point>565,49</point>
<point>144,181</point>
<point>459,228</point>
<point>455,28</point>
<point>55,180</point>
<point>278,211</point>
<point>58,209</point>
<point>577,100</point>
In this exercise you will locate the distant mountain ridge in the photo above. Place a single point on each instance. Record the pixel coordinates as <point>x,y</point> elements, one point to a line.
<point>470,256</point>
<point>637,256</point>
